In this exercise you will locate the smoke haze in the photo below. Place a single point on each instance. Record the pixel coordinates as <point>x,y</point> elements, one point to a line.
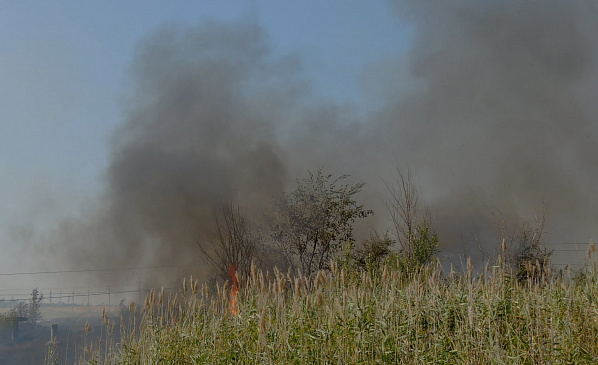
<point>490,109</point>
<point>499,121</point>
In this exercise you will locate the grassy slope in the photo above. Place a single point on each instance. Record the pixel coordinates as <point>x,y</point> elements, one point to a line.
<point>349,317</point>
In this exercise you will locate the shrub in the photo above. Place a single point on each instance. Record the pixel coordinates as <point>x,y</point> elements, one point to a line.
<point>375,250</point>
<point>529,259</point>
<point>315,222</point>
<point>417,243</point>
<point>425,244</point>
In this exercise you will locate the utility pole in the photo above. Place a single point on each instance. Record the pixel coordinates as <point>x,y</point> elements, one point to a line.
<point>108,298</point>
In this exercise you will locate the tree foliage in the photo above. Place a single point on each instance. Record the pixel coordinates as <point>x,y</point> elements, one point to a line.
<point>375,250</point>
<point>23,310</point>
<point>425,244</point>
<point>34,306</point>
<point>315,221</point>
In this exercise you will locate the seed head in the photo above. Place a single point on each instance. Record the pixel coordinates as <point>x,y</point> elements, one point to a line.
<point>319,279</point>
<point>591,249</point>
<point>194,287</point>
<point>253,272</point>
<point>297,287</point>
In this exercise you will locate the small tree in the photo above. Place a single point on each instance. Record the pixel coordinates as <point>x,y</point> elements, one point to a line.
<point>403,208</point>
<point>34,306</point>
<point>425,244</point>
<point>315,221</point>
<point>20,310</point>
<point>418,244</point>
<point>525,251</point>
<point>235,242</point>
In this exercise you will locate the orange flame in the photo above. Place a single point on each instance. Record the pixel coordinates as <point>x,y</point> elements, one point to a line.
<point>234,290</point>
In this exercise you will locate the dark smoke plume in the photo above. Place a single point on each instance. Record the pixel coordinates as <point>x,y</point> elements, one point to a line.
<point>201,126</point>
<point>497,119</point>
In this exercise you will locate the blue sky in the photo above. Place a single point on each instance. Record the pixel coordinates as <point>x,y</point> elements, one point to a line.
<point>64,71</point>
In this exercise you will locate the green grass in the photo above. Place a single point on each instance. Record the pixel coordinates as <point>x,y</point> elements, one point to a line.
<point>349,317</point>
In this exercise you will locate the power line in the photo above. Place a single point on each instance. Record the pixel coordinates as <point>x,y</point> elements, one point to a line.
<point>568,250</point>
<point>82,294</point>
<point>568,243</point>
<point>92,270</point>
<point>54,288</point>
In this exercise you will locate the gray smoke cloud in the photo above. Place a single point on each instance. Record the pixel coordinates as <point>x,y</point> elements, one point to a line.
<point>495,115</point>
<point>498,120</point>
<point>201,126</point>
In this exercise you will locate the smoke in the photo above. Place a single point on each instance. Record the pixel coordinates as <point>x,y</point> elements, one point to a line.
<point>498,122</point>
<point>487,110</point>
<point>201,126</point>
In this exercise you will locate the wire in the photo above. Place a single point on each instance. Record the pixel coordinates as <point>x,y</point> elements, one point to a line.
<point>568,243</point>
<point>80,294</point>
<point>566,250</point>
<point>92,270</point>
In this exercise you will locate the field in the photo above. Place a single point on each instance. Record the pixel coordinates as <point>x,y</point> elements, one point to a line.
<point>350,316</point>
<point>30,347</point>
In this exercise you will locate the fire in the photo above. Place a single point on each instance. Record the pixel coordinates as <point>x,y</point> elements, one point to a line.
<point>234,290</point>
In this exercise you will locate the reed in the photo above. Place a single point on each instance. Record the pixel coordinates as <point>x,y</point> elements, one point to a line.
<point>350,316</point>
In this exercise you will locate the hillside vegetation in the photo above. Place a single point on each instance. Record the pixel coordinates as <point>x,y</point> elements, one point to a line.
<point>351,315</point>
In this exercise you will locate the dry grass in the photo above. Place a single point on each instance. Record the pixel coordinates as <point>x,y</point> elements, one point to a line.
<point>349,317</point>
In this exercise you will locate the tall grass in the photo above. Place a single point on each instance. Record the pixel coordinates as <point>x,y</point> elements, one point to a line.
<point>349,316</point>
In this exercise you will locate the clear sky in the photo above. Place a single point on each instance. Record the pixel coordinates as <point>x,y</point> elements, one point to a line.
<point>64,69</point>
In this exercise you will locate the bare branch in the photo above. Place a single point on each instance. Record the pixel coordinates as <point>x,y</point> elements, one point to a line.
<point>236,241</point>
<point>403,208</point>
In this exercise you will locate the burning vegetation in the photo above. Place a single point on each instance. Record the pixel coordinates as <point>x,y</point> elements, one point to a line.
<point>492,108</point>
<point>384,315</point>
<point>234,290</point>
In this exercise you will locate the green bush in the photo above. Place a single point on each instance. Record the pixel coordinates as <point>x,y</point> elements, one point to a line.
<point>315,221</point>
<point>425,245</point>
<point>375,250</point>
